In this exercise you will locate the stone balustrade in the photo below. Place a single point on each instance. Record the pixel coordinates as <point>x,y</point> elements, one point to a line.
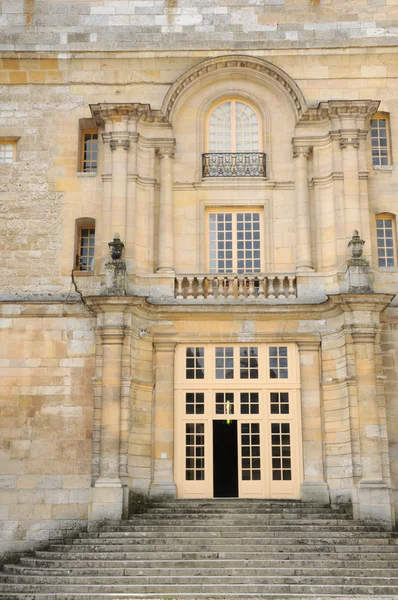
<point>210,287</point>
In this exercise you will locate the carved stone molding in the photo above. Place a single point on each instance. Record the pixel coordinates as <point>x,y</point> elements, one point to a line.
<point>245,64</point>
<point>345,142</point>
<point>301,150</point>
<point>341,109</point>
<point>120,142</point>
<point>168,151</point>
<point>132,111</point>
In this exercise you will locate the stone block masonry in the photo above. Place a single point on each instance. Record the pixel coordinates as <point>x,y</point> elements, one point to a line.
<point>46,408</point>
<point>195,24</point>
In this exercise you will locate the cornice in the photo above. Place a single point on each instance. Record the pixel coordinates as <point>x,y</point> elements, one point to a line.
<point>131,111</point>
<point>338,109</point>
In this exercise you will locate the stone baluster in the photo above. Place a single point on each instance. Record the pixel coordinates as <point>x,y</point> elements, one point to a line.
<point>303,221</point>
<point>292,290</point>
<point>220,284</point>
<point>231,285</point>
<point>261,287</point>
<point>210,288</point>
<point>179,288</point>
<point>281,293</point>
<point>241,288</point>
<point>271,290</point>
<point>251,288</point>
<point>190,295</point>
<point>166,211</point>
<point>200,292</point>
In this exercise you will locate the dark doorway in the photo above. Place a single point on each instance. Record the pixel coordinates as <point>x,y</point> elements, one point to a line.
<point>225,459</point>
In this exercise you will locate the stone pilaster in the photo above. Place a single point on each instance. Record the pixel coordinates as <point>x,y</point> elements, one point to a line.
<point>373,493</point>
<point>163,484</point>
<point>166,211</point>
<point>314,488</point>
<point>303,222</point>
<point>107,495</point>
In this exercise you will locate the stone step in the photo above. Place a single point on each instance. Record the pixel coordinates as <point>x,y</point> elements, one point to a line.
<point>223,544</point>
<point>244,570</point>
<point>197,588</point>
<point>226,517</point>
<point>294,526</point>
<point>216,580</point>
<point>240,595</point>
<point>231,533</point>
<point>268,554</point>
<point>280,562</point>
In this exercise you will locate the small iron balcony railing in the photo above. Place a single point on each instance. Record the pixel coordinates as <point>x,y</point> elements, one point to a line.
<point>234,164</point>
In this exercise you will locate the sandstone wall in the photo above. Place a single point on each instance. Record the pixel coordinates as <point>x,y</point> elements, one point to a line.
<point>192,24</point>
<point>46,410</point>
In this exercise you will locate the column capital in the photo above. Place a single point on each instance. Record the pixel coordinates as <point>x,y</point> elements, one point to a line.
<point>308,346</point>
<point>112,335</point>
<point>301,150</point>
<point>166,151</point>
<point>364,335</point>
<point>119,140</point>
<point>164,346</point>
<point>347,140</point>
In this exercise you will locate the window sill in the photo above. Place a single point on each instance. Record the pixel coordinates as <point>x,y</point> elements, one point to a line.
<point>385,168</point>
<point>89,175</point>
<point>83,273</point>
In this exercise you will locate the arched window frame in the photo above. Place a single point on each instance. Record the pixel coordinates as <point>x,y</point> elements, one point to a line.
<point>81,224</point>
<point>384,233</point>
<point>234,100</point>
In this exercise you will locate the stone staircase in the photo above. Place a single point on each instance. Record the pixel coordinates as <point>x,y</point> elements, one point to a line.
<point>215,549</point>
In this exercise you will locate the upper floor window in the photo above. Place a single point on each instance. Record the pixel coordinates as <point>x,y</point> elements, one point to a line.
<point>85,244</point>
<point>380,139</point>
<point>234,242</point>
<point>233,141</point>
<point>8,150</point>
<point>89,152</point>
<point>386,244</point>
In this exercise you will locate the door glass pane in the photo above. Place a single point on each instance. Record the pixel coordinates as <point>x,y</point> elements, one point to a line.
<point>194,451</point>
<point>224,403</point>
<point>248,242</point>
<point>250,448</point>
<point>281,452</point>
<point>249,403</point>
<point>194,403</point>
<point>279,403</point>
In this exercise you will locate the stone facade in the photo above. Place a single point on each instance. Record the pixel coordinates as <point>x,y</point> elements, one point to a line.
<point>87,358</point>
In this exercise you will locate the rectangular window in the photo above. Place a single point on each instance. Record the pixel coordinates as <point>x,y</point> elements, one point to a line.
<point>7,152</point>
<point>224,363</point>
<point>278,362</point>
<point>380,139</point>
<point>281,452</point>
<point>385,229</point>
<point>194,403</point>
<point>86,247</point>
<point>249,362</point>
<point>249,403</point>
<point>224,403</point>
<point>279,402</point>
<point>89,150</point>
<point>250,445</point>
<point>195,363</point>
<point>194,451</point>
<point>234,242</point>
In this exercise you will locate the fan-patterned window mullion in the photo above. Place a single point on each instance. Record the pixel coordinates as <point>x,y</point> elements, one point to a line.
<point>233,127</point>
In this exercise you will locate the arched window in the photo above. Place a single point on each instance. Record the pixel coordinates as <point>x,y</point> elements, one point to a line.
<point>233,127</point>
<point>233,141</point>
